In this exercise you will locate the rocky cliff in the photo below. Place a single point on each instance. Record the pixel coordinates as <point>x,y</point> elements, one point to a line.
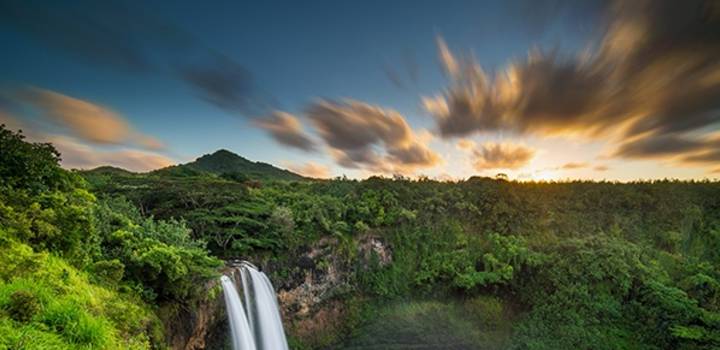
<point>310,297</point>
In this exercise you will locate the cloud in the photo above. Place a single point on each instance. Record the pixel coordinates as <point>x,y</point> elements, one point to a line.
<point>654,77</point>
<point>286,129</point>
<point>361,135</point>
<point>147,142</point>
<point>493,155</point>
<point>447,59</point>
<point>709,156</point>
<point>81,156</point>
<point>658,147</point>
<point>679,149</point>
<point>574,165</point>
<point>117,35</point>
<point>310,169</point>
<point>9,121</point>
<point>601,168</point>
<point>87,120</point>
<point>226,84</point>
<point>75,154</point>
<point>465,145</point>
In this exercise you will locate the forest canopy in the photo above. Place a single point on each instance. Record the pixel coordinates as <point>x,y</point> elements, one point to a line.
<point>592,265</point>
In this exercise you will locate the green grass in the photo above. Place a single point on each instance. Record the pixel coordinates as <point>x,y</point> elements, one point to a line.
<point>71,312</point>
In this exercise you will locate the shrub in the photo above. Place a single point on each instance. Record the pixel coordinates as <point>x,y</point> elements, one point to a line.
<point>23,306</point>
<point>109,272</point>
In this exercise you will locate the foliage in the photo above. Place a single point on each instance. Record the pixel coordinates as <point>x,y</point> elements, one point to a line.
<point>583,264</point>
<point>73,268</point>
<point>48,304</point>
<point>22,306</point>
<point>28,166</point>
<point>588,265</point>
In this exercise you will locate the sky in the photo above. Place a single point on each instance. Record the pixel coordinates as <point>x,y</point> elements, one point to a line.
<point>537,90</point>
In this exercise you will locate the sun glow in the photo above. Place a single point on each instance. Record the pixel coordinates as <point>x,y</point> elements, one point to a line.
<point>544,175</point>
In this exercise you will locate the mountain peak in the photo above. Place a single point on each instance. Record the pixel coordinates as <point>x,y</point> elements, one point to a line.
<point>224,161</point>
<point>224,152</point>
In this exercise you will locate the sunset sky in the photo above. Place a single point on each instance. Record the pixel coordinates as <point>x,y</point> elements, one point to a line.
<point>539,90</point>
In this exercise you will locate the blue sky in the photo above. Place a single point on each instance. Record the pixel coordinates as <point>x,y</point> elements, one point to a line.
<point>381,53</point>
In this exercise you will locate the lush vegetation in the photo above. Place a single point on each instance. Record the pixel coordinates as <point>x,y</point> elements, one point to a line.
<point>78,271</point>
<point>231,166</point>
<point>507,265</point>
<point>572,265</point>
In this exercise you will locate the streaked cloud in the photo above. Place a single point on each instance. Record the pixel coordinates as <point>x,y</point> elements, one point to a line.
<point>89,121</point>
<point>310,169</point>
<point>286,129</point>
<point>651,87</point>
<point>100,136</point>
<point>225,83</point>
<point>9,121</point>
<point>510,156</point>
<point>678,149</point>
<point>574,165</point>
<point>120,36</point>
<point>601,168</point>
<point>658,147</point>
<point>76,154</point>
<point>447,59</point>
<point>711,156</point>
<point>82,156</point>
<point>465,144</point>
<point>360,135</point>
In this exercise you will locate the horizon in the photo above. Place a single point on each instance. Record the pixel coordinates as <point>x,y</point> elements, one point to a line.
<point>419,177</point>
<point>555,91</point>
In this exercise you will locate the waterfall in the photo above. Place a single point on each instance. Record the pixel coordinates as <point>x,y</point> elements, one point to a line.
<point>240,332</point>
<point>257,326</point>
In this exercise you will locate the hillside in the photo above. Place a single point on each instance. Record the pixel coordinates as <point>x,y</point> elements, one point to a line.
<point>224,162</point>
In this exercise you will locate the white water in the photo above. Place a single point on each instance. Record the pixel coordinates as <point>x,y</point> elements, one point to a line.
<point>258,324</point>
<point>240,332</point>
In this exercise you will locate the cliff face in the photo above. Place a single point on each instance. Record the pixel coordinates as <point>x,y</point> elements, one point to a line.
<point>199,326</point>
<point>311,304</point>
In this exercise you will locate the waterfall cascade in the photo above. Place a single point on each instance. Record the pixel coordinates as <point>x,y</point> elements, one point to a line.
<point>257,325</point>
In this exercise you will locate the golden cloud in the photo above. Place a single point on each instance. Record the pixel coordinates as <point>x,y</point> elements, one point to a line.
<point>310,169</point>
<point>601,168</point>
<point>653,78</point>
<point>86,120</point>
<point>286,129</point>
<point>574,165</point>
<point>465,145</point>
<point>510,156</point>
<point>81,156</point>
<point>364,136</point>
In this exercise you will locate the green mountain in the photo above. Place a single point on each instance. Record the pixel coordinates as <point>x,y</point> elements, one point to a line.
<point>108,170</point>
<point>229,164</point>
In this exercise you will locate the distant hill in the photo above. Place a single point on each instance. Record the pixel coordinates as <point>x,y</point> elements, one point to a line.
<point>108,170</point>
<point>229,164</point>
<point>223,163</point>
